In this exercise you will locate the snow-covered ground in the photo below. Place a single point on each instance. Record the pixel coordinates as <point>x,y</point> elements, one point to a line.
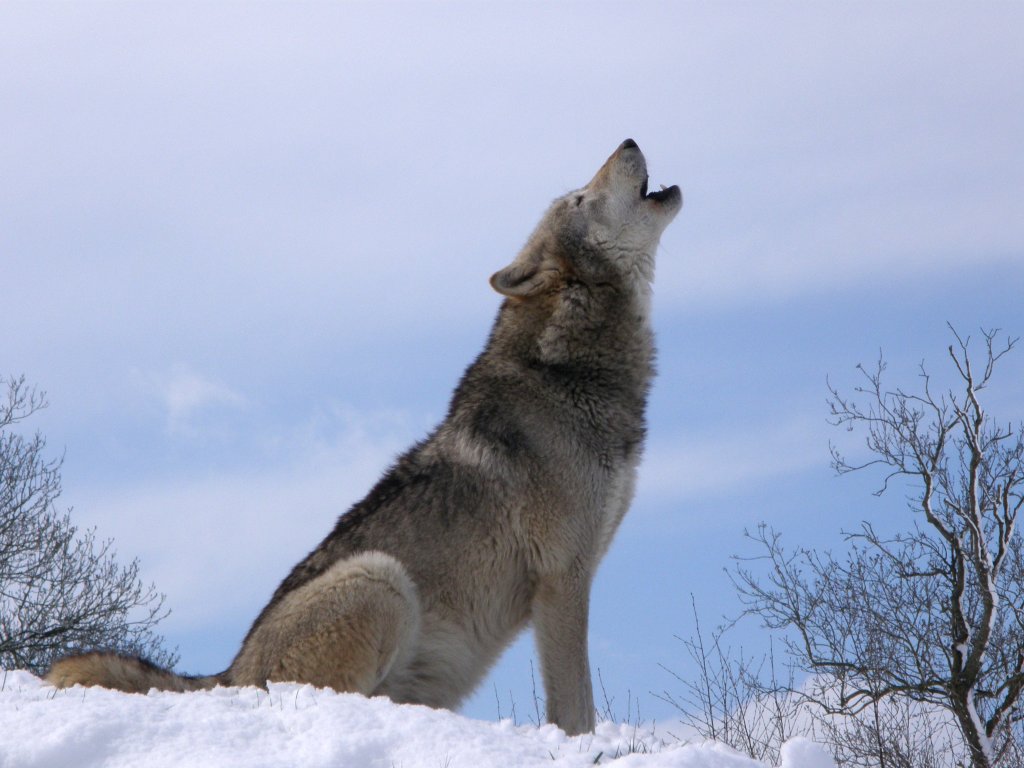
<point>297,726</point>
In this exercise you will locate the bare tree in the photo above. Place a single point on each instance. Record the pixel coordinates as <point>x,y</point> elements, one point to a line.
<point>61,589</point>
<point>934,615</point>
<point>754,704</point>
<point>736,699</point>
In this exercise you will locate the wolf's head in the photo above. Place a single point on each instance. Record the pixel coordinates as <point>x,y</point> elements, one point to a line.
<point>578,292</point>
<point>603,234</point>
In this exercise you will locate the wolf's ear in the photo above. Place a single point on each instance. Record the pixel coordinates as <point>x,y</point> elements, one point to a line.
<point>524,277</point>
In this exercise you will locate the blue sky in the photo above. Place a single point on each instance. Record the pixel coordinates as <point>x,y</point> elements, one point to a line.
<point>245,249</point>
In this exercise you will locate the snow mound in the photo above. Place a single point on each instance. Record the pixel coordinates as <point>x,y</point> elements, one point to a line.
<point>298,726</point>
<point>801,752</point>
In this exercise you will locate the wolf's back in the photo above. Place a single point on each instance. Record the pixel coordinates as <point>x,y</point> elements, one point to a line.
<point>123,673</point>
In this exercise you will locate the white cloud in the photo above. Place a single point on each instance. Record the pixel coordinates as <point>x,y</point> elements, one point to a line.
<point>187,397</point>
<point>186,393</point>
<point>841,247</point>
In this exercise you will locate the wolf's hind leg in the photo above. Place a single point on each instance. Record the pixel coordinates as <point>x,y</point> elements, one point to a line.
<point>345,629</point>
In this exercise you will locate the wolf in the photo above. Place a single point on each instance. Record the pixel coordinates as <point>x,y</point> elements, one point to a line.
<point>500,517</point>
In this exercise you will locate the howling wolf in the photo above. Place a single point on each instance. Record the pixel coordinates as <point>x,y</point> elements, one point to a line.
<point>499,517</point>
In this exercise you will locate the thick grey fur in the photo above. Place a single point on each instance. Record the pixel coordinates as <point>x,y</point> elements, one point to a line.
<point>501,516</point>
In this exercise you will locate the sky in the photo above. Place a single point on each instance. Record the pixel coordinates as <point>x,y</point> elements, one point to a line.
<point>244,248</point>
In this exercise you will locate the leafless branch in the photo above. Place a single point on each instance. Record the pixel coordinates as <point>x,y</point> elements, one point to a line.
<point>61,589</point>
<point>934,615</point>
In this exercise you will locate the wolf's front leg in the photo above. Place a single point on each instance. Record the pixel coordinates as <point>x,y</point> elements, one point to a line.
<point>560,610</point>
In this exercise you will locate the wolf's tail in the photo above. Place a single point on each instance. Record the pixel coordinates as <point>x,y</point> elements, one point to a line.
<point>123,673</point>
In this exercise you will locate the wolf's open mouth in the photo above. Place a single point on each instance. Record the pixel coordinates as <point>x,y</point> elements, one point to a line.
<point>660,196</point>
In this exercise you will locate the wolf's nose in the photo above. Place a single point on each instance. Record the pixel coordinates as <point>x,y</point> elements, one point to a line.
<point>629,144</point>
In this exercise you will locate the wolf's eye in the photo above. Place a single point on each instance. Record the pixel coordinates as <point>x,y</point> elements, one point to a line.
<point>579,200</point>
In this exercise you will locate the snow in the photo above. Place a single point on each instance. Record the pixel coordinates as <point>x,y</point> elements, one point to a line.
<point>299,726</point>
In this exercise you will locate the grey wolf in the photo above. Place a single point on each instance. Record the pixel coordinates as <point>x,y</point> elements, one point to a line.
<point>500,517</point>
